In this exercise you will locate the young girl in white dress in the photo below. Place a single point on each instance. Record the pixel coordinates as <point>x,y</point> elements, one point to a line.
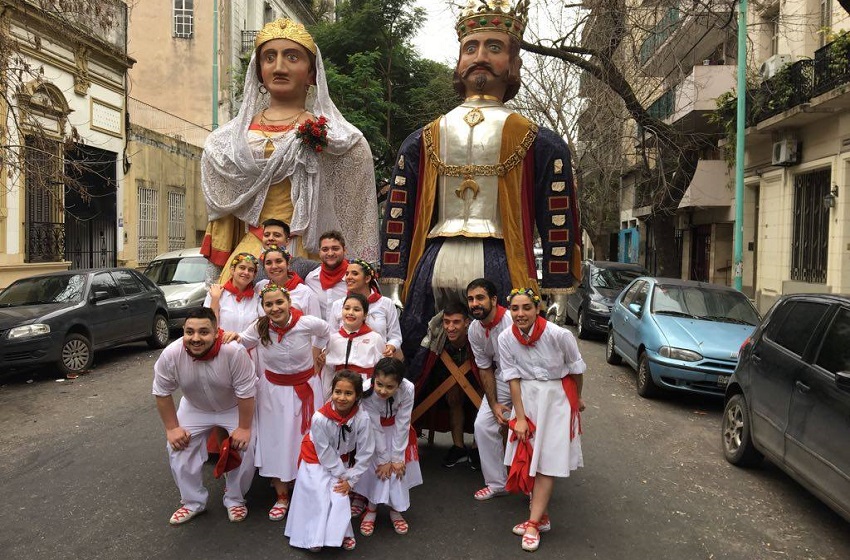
<point>334,455</point>
<point>395,467</point>
<point>288,389</point>
<point>275,261</point>
<point>543,366</point>
<point>354,346</point>
<point>235,302</point>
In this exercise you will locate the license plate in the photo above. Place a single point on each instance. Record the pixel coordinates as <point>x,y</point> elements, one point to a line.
<point>723,380</point>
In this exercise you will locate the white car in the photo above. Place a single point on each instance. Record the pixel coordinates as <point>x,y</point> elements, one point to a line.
<point>181,275</point>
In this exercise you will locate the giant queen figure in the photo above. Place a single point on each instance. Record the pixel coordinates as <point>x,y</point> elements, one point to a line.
<point>470,190</point>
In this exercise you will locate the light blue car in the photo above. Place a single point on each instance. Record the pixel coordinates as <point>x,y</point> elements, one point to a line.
<point>679,334</point>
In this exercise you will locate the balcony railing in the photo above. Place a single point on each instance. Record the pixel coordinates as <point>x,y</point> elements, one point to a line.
<point>790,87</point>
<point>248,40</point>
<point>45,242</point>
<point>660,32</point>
<point>832,66</point>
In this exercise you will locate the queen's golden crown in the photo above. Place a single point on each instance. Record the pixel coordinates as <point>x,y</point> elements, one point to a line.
<point>493,15</point>
<point>286,29</point>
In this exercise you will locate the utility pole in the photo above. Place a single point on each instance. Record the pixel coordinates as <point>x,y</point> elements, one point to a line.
<point>215,67</point>
<point>740,128</point>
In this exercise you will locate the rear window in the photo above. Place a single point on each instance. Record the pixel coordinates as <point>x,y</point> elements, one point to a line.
<point>792,326</point>
<point>185,270</point>
<point>834,354</point>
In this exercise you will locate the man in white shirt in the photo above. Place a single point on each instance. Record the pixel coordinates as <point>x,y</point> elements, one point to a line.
<point>218,385</point>
<point>491,319</point>
<point>328,280</point>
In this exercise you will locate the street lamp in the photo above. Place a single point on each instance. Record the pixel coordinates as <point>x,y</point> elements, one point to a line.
<point>829,200</point>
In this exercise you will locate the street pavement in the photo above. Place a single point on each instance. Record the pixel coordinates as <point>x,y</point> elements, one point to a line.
<point>83,474</point>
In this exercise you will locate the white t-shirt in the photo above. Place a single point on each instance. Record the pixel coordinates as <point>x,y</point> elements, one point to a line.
<point>553,356</point>
<point>486,348</point>
<point>325,297</point>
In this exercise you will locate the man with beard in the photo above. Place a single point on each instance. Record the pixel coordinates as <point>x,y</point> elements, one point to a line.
<point>218,384</point>
<point>328,281</point>
<point>470,188</point>
<point>491,320</point>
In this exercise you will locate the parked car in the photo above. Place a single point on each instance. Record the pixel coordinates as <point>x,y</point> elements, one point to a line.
<point>789,398</point>
<point>679,334</point>
<point>589,307</point>
<point>64,317</point>
<point>181,276</point>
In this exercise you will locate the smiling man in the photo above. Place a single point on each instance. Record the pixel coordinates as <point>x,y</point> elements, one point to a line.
<point>328,281</point>
<point>488,179</point>
<point>218,385</point>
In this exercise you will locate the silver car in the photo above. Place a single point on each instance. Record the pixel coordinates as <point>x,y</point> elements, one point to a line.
<point>181,276</point>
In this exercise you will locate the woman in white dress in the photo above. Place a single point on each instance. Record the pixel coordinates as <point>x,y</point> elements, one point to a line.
<point>288,389</point>
<point>275,261</point>
<point>235,302</point>
<point>543,367</point>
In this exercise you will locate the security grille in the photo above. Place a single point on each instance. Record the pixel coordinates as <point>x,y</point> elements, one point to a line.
<point>810,243</point>
<point>184,14</point>
<point>45,222</point>
<point>148,204</point>
<point>176,220</point>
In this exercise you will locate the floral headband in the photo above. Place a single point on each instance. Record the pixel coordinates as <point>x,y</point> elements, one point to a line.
<point>275,249</point>
<point>367,268</point>
<point>272,287</point>
<point>524,292</point>
<point>244,257</point>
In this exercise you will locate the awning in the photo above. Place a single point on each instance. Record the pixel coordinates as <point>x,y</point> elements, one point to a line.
<point>710,186</point>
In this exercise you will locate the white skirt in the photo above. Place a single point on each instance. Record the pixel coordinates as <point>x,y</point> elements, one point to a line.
<point>318,516</point>
<point>547,406</point>
<point>395,492</point>
<point>279,427</point>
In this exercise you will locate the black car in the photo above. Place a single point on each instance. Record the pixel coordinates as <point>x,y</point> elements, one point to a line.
<point>589,307</point>
<point>63,317</point>
<point>789,398</point>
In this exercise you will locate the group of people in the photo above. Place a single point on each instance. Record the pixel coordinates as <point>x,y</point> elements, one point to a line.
<point>300,359</point>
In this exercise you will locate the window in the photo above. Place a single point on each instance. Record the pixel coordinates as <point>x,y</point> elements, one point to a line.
<point>825,20</point>
<point>176,221</point>
<point>148,206</point>
<point>45,218</point>
<point>811,227</point>
<point>184,15</point>
<point>128,282</point>
<point>835,353</point>
<point>103,282</point>
<point>800,320</point>
<point>630,295</point>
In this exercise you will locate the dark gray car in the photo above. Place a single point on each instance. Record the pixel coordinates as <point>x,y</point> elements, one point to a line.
<point>789,398</point>
<point>589,307</point>
<point>64,317</point>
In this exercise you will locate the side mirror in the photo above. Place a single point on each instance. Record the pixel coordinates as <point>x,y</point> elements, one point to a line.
<point>842,380</point>
<point>100,295</point>
<point>635,308</point>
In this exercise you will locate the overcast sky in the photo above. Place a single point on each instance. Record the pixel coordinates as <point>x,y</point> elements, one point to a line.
<point>437,39</point>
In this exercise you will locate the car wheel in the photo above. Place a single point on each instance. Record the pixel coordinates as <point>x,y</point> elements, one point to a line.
<point>160,333</point>
<point>611,355</point>
<point>76,355</point>
<point>738,445</point>
<point>580,328</point>
<point>646,387</point>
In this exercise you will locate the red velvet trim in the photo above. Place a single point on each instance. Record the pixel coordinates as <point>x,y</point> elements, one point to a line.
<point>218,258</point>
<point>393,257</point>
<point>257,231</point>
<point>559,235</point>
<point>559,203</point>
<point>398,196</point>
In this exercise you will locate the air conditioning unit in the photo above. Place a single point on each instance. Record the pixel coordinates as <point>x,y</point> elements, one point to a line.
<point>774,64</point>
<point>786,152</point>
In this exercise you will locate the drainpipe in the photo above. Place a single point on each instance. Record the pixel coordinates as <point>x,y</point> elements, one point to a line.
<point>741,124</point>
<point>215,67</point>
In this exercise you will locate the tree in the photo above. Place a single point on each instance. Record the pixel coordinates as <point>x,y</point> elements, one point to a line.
<point>376,78</point>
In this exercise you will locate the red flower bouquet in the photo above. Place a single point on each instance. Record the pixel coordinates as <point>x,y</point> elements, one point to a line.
<point>314,133</point>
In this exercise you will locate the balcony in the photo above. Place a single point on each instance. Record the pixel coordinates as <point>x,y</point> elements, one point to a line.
<point>248,40</point>
<point>685,38</point>
<point>831,67</point>
<point>687,105</point>
<point>790,87</point>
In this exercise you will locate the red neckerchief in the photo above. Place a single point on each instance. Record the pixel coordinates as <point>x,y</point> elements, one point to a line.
<point>539,327</point>
<point>500,312</point>
<point>293,281</point>
<point>212,352</point>
<point>330,278</point>
<point>294,315</point>
<point>248,292</point>
<point>329,412</point>
<point>364,329</point>
<point>374,296</point>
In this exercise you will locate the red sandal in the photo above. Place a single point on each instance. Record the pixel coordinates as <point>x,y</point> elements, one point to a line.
<point>367,524</point>
<point>400,526</point>
<point>280,508</point>
<point>530,543</point>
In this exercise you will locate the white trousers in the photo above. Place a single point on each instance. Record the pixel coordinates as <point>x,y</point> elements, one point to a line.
<point>488,437</point>
<point>187,463</point>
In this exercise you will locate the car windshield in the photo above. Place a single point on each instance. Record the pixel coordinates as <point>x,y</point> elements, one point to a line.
<point>612,278</point>
<point>703,303</point>
<point>64,288</point>
<point>184,270</point>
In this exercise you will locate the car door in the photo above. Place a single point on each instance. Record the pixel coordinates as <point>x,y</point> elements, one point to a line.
<point>108,314</point>
<point>629,328</point>
<point>775,364</point>
<point>140,305</point>
<point>819,421</point>
<point>575,299</point>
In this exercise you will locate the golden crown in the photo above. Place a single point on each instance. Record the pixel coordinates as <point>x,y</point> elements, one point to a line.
<point>286,29</point>
<point>493,15</point>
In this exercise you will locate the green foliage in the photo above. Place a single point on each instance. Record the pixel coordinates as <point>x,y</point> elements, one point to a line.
<point>376,78</point>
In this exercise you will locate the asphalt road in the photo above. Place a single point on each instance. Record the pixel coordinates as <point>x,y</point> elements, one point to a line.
<point>83,474</point>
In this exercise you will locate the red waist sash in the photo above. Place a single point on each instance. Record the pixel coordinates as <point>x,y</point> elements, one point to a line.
<point>308,452</point>
<point>367,371</point>
<point>571,390</point>
<point>300,382</point>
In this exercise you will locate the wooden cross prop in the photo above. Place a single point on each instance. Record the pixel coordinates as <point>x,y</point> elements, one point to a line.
<point>457,376</point>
